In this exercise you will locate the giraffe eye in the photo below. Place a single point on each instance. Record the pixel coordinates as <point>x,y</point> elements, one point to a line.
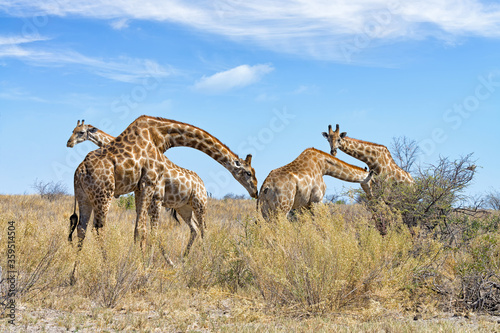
<point>81,132</point>
<point>249,174</point>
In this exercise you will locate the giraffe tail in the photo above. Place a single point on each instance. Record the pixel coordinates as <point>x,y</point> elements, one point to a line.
<point>173,213</point>
<point>73,222</point>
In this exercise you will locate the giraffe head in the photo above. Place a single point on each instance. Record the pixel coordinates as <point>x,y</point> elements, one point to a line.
<point>80,133</point>
<point>245,175</point>
<point>334,138</point>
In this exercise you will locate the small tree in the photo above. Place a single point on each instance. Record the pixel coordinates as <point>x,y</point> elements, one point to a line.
<point>405,152</point>
<point>335,198</point>
<point>437,192</point>
<point>49,190</point>
<point>493,200</point>
<point>234,196</point>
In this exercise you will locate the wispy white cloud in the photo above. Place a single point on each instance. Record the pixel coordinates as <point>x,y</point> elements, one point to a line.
<point>303,89</point>
<point>237,77</point>
<point>120,24</point>
<point>7,92</point>
<point>314,28</point>
<point>122,69</point>
<point>264,97</point>
<point>16,40</point>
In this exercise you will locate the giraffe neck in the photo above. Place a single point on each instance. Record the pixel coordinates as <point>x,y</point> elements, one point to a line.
<point>368,152</point>
<point>169,133</point>
<point>99,137</point>
<point>332,166</point>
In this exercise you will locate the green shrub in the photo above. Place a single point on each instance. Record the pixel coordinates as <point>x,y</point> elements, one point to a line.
<point>127,201</point>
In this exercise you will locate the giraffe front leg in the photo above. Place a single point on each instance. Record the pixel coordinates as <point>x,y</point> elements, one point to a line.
<point>144,202</point>
<point>100,214</point>
<point>154,212</point>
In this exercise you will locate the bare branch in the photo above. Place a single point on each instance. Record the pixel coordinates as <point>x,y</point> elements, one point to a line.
<point>405,152</point>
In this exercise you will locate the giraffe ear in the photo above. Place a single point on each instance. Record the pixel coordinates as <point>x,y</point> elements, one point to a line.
<point>237,163</point>
<point>343,135</point>
<point>325,135</point>
<point>248,159</point>
<point>93,129</point>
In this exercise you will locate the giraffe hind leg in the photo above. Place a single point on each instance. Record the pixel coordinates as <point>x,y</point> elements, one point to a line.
<point>85,211</point>
<point>199,208</point>
<point>187,215</point>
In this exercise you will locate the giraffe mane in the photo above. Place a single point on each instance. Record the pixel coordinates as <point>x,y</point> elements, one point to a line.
<point>338,160</point>
<point>186,124</point>
<point>365,142</point>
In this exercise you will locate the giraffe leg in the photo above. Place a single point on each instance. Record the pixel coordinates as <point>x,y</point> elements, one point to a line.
<point>187,213</point>
<point>100,214</point>
<point>137,196</point>
<point>154,210</point>
<point>144,202</point>
<point>154,213</point>
<point>85,211</point>
<point>199,207</point>
<point>267,203</point>
<point>285,203</point>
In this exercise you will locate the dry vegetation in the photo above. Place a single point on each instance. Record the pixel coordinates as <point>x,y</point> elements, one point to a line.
<point>326,271</point>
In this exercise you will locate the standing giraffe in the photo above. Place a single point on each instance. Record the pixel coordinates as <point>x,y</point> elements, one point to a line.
<point>300,182</point>
<point>377,157</point>
<point>184,190</point>
<point>134,161</point>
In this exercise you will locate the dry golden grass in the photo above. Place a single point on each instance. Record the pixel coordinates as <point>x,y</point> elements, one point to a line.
<point>330,271</point>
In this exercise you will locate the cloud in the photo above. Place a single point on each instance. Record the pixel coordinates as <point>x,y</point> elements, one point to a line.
<point>237,77</point>
<point>330,30</point>
<point>120,24</point>
<point>16,40</point>
<point>123,69</point>
<point>7,92</point>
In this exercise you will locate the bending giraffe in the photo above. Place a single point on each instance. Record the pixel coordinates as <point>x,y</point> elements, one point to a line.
<point>184,191</point>
<point>134,162</point>
<point>300,183</point>
<point>377,157</point>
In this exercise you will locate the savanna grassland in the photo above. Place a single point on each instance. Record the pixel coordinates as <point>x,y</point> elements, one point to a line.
<point>325,271</point>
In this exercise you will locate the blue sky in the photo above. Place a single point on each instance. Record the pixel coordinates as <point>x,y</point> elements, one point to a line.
<point>265,77</point>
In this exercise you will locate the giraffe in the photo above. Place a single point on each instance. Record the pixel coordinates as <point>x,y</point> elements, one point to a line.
<point>184,191</point>
<point>134,161</point>
<point>377,157</point>
<point>83,132</point>
<point>300,183</point>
